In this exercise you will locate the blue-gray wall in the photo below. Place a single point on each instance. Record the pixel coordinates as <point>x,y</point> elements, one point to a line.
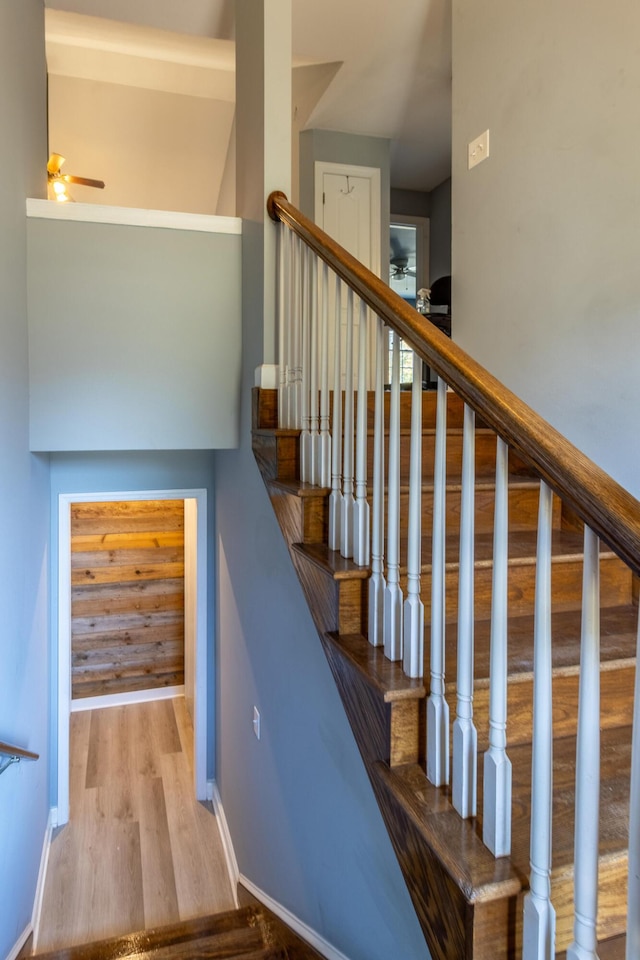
<point>440,231</point>
<point>546,231</point>
<point>24,501</point>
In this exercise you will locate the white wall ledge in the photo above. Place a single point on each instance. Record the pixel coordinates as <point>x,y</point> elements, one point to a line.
<point>132,216</point>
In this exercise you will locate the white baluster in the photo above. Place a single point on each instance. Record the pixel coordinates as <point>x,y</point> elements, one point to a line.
<point>305,434</point>
<point>281,299</point>
<point>346,510</point>
<point>465,736</point>
<point>633,895</point>
<point>437,706</point>
<point>335,499</point>
<point>393,594</point>
<point>539,932</point>
<point>314,433</point>
<point>361,507</point>
<point>324,449</point>
<point>376,580</point>
<point>295,370</point>
<point>413,627</point>
<point>496,817</point>
<point>585,942</point>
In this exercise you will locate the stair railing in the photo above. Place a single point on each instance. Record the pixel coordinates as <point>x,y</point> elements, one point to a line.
<point>609,513</point>
<point>10,754</point>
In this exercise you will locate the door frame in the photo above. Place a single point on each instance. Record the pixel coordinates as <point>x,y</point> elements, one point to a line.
<point>195,546</point>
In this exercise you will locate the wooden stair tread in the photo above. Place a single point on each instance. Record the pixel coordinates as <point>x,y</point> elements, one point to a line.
<point>455,842</point>
<point>458,843</point>
<point>331,561</point>
<point>386,676</point>
<point>249,933</point>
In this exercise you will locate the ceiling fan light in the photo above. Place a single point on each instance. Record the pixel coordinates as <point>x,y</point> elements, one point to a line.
<point>60,190</point>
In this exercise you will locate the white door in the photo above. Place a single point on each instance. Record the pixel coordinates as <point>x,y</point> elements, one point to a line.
<point>347,207</point>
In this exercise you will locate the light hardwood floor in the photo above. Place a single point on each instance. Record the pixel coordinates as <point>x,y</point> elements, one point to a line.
<point>139,851</point>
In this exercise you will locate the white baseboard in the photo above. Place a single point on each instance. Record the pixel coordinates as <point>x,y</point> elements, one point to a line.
<point>314,939</point>
<point>319,943</point>
<point>42,874</point>
<point>213,794</point>
<point>118,699</point>
<point>20,942</point>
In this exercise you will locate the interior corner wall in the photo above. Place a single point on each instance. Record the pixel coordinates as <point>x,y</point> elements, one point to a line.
<point>24,479</point>
<point>546,232</point>
<point>348,148</point>
<point>440,231</point>
<point>153,149</point>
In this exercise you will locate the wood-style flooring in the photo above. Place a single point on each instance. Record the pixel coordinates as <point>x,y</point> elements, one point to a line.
<point>139,851</point>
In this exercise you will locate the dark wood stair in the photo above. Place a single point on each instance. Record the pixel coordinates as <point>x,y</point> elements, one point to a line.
<point>250,933</point>
<point>468,902</point>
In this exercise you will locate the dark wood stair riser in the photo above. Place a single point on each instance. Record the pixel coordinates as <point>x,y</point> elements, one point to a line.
<point>566,585</point>
<point>617,697</point>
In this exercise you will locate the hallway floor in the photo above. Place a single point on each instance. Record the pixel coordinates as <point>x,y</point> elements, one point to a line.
<point>139,851</point>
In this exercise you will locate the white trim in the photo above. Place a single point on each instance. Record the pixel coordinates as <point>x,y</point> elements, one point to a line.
<point>121,699</point>
<point>266,376</point>
<point>20,942</point>
<point>131,216</point>
<point>314,939</point>
<point>64,631</point>
<point>213,794</point>
<point>42,875</point>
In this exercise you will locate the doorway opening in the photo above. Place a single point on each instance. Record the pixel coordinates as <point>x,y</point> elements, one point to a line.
<point>195,629</point>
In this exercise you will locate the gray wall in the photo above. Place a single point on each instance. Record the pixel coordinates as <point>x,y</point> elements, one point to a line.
<point>346,148</point>
<point>134,337</point>
<point>440,231</point>
<point>110,472</point>
<point>546,232</point>
<point>410,203</point>
<point>24,505</point>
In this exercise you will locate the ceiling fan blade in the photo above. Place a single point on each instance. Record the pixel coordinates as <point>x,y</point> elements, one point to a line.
<point>54,163</point>
<point>84,181</point>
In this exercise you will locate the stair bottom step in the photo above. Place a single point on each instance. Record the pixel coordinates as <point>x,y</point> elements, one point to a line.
<point>250,933</point>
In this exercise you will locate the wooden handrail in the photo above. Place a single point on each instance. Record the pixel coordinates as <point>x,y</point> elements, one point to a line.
<point>9,750</point>
<point>610,510</point>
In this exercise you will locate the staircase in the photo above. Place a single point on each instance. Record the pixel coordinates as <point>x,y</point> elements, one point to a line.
<point>469,903</point>
<point>250,933</point>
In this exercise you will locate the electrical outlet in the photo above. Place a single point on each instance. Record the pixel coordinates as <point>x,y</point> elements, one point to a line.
<point>479,149</point>
<point>256,722</point>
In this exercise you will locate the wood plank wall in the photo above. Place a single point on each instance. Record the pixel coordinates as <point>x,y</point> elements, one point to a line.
<point>127,596</point>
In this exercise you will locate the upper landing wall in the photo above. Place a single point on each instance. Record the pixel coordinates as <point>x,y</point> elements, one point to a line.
<point>134,329</point>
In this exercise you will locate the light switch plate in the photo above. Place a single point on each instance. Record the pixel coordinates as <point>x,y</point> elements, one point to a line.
<point>479,149</point>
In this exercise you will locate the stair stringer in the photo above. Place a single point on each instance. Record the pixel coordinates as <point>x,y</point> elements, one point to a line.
<point>455,916</point>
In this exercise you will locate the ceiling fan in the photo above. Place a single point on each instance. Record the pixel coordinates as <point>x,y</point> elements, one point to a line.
<point>400,255</point>
<point>60,180</point>
<point>399,267</point>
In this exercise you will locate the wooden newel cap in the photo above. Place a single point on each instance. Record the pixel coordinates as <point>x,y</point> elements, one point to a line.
<point>271,208</point>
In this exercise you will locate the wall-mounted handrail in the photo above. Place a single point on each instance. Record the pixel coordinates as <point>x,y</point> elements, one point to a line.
<point>605,506</point>
<point>11,754</point>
